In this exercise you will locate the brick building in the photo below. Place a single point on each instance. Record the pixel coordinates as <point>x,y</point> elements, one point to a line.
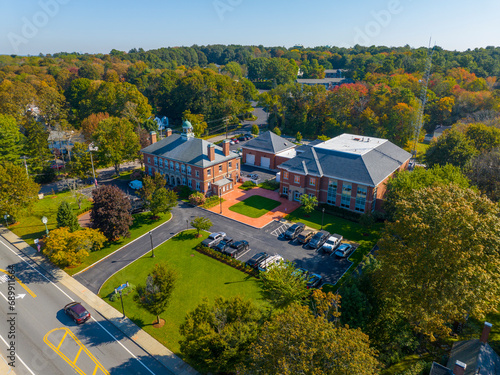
<point>348,171</point>
<point>268,151</point>
<point>185,160</point>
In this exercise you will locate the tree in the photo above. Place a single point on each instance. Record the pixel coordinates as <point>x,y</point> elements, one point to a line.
<point>66,217</point>
<point>283,285</point>
<point>81,163</point>
<point>298,137</point>
<point>277,131</point>
<point>38,150</point>
<point>198,122</point>
<point>453,147</point>
<point>90,124</point>
<point>440,259</point>
<point>484,172</point>
<point>11,139</point>
<point>117,142</point>
<point>65,248</point>
<point>155,296</point>
<point>255,129</point>
<point>111,212</point>
<point>201,223</point>
<point>308,202</point>
<point>217,337</point>
<point>323,138</point>
<point>294,341</point>
<point>163,200</point>
<point>483,137</point>
<point>18,192</point>
<point>150,184</point>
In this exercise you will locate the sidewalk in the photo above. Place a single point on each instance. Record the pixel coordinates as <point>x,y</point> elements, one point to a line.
<point>129,328</point>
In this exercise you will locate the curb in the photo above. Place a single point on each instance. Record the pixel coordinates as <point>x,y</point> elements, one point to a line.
<point>158,351</point>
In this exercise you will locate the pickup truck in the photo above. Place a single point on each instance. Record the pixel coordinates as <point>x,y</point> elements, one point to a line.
<point>332,243</point>
<point>214,239</point>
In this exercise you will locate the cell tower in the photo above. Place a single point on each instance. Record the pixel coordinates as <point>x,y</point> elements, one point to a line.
<point>419,121</point>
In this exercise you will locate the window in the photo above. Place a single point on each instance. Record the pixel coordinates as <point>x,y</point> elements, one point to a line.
<point>312,181</point>
<point>230,164</point>
<point>184,180</point>
<point>177,167</point>
<point>220,168</point>
<point>197,173</point>
<point>161,163</point>
<point>149,160</point>
<point>189,170</point>
<point>209,185</point>
<point>156,160</point>
<point>183,168</point>
<point>332,192</point>
<point>296,179</point>
<point>209,172</point>
<point>311,195</point>
<point>285,175</point>
<point>197,185</point>
<point>150,171</point>
<point>172,165</point>
<point>285,190</point>
<point>360,199</point>
<point>237,166</point>
<point>374,201</point>
<point>346,195</point>
<point>190,183</point>
<point>296,196</point>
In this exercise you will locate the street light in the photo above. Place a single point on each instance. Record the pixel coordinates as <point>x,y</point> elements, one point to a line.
<point>6,216</point>
<point>322,217</point>
<point>152,248</point>
<point>93,148</point>
<point>44,221</point>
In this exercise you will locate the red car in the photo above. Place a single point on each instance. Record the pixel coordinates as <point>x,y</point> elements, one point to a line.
<point>77,312</point>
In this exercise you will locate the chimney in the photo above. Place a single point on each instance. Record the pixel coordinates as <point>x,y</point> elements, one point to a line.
<point>225,147</point>
<point>211,152</point>
<point>168,132</point>
<point>459,368</point>
<point>486,333</point>
<point>153,137</point>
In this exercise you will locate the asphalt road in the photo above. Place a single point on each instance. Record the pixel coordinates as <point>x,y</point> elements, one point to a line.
<point>46,341</point>
<point>265,239</point>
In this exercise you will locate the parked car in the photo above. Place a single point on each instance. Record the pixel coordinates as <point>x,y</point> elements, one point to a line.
<point>344,250</point>
<point>256,259</point>
<point>136,184</point>
<point>332,243</point>
<point>242,138</point>
<point>248,136</point>
<point>314,280</point>
<point>235,248</point>
<point>305,236</point>
<point>213,239</point>
<point>77,312</point>
<point>269,262</point>
<point>231,142</point>
<point>235,140</point>
<point>293,231</point>
<point>318,239</point>
<point>223,244</point>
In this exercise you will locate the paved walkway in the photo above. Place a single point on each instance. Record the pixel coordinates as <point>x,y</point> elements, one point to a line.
<point>238,195</point>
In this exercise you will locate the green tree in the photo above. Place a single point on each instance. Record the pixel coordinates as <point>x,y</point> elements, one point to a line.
<point>150,184</point>
<point>217,337</point>
<point>11,139</point>
<point>453,147</point>
<point>483,137</point>
<point>38,150</point>
<point>283,285</point>
<point>81,163</point>
<point>277,131</point>
<point>111,212</point>
<point>308,202</point>
<point>66,217</point>
<point>255,129</point>
<point>484,172</point>
<point>201,223</point>
<point>117,142</point>
<point>323,138</point>
<point>198,122</point>
<point>163,201</point>
<point>294,341</point>
<point>18,192</point>
<point>433,258</point>
<point>155,295</point>
<point>298,137</point>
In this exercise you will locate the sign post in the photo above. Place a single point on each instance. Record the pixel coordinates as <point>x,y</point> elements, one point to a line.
<point>119,290</point>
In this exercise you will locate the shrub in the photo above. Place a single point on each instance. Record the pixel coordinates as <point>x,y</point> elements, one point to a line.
<point>125,292</point>
<point>270,185</point>
<point>247,185</point>
<point>226,259</point>
<point>197,198</point>
<point>212,201</point>
<point>182,191</point>
<point>137,174</point>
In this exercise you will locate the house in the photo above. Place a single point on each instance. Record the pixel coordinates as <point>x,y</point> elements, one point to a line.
<point>347,171</point>
<point>268,151</point>
<point>335,73</point>
<point>185,160</point>
<point>471,357</point>
<point>329,83</point>
<point>438,132</point>
<point>62,141</point>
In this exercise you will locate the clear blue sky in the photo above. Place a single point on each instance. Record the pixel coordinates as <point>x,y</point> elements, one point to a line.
<point>49,26</point>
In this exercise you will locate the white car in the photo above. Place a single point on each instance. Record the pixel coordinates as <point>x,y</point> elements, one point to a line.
<point>269,262</point>
<point>332,243</point>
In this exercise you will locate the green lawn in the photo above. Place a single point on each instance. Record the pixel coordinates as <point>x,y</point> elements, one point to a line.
<point>30,226</point>
<point>255,206</point>
<point>142,225</point>
<point>198,277</point>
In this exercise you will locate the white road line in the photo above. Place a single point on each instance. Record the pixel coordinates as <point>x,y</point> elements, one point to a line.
<point>17,356</point>
<point>71,299</point>
<point>243,254</point>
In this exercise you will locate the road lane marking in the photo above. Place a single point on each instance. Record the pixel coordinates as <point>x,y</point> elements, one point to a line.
<point>19,281</point>
<point>72,363</point>
<point>18,357</point>
<point>71,299</point>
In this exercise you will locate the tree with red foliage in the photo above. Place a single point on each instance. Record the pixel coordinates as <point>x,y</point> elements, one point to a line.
<point>111,212</point>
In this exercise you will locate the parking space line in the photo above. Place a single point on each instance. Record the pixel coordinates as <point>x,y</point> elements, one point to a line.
<point>243,254</point>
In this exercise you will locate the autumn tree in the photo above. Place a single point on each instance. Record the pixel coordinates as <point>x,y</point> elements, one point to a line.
<point>66,217</point>
<point>111,212</point>
<point>89,124</point>
<point>277,131</point>
<point>255,129</point>
<point>18,192</point>
<point>149,185</point>
<point>484,172</point>
<point>453,147</point>
<point>308,202</point>
<point>156,294</point>
<point>440,258</point>
<point>294,341</point>
<point>283,285</point>
<point>197,121</point>
<point>117,142</point>
<point>65,248</point>
<point>201,223</point>
<point>162,201</point>
<point>216,337</point>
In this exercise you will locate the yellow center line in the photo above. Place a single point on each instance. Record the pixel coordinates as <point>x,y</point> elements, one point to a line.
<point>19,281</point>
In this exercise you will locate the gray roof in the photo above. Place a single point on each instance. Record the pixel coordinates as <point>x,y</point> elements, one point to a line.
<point>369,168</point>
<point>322,81</point>
<point>475,355</point>
<point>192,151</point>
<point>438,369</point>
<point>269,142</point>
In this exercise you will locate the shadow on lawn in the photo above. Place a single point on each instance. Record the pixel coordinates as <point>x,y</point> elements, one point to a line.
<point>183,236</point>
<point>247,278</point>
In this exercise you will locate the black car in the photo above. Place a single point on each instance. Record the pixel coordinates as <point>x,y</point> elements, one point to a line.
<point>236,247</point>
<point>256,259</point>
<point>221,246</point>
<point>77,312</point>
<point>293,231</point>
<point>242,138</point>
<point>313,280</point>
<point>319,239</point>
